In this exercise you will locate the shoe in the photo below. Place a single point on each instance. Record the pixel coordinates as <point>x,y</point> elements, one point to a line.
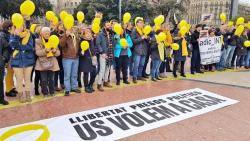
<point>57,89</point>
<point>142,79</point>
<point>107,84</point>
<point>10,94</point>
<point>192,72</point>
<point>79,84</point>
<point>66,93</point>
<point>28,97</point>
<point>134,80</point>
<point>175,75</point>
<point>76,91</point>
<point>37,92</point>
<point>117,83</point>
<point>100,88</point>
<point>53,94</point>
<point>200,72</point>
<point>169,71</point>
<point>4,102</point>
<point>63,87</point>
<point>153,79</point>
<point>92,89</point>
<point>46,96</point>
<point>126,82</point>
<point>88,89</point>
<point>158,78</point>
<point>21,98</point>
<point>145,76</point>
<point>183,75</point>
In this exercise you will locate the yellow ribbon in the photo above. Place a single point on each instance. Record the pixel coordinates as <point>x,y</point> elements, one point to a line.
<point>14,131</point>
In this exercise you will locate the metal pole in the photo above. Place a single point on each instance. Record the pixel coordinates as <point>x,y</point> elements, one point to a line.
<point>120,10</point>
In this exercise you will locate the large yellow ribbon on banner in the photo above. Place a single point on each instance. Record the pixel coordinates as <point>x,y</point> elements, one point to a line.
<point>14,131</point>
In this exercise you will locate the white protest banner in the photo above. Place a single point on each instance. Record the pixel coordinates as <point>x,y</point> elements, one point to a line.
<point>119,121</point>
<point>210,49</point>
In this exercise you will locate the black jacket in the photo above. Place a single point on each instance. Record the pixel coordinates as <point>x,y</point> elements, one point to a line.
<point>4,49</point>
<point>194,41</point>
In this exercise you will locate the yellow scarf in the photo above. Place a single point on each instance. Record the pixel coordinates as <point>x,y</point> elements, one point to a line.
<point>139,31</point>
<point>160,49</point>
<point>25,35</point>
<point>184,47</point>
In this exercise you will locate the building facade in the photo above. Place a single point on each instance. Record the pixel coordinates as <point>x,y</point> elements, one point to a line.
<point>196,9</point>
<point>67,5</point>
<point>244,9</point>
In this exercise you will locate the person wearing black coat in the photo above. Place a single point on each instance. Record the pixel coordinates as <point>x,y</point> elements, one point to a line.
<point>4,56</point>
<point>85,62</point>
<point>196,59</point>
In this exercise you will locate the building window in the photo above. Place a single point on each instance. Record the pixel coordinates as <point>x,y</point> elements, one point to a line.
<point>71,3</point>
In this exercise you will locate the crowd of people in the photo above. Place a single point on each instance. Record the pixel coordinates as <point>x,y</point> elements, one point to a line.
<point>24,55</point>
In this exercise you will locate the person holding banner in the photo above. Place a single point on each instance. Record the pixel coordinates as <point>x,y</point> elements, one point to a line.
<point>140,49</point>
<point>122,53</point>
<point>209,67</point>
<point>196,59</point>
<point>22,60</point>
<point>45,64</point>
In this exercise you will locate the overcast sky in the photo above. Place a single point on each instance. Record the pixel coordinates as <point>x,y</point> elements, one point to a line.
<point>245,1</point>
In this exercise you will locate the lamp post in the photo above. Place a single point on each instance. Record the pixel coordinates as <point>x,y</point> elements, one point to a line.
<point>120,10</point>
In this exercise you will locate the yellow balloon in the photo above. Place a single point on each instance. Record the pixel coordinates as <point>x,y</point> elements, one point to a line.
<point>27,8</point>
<point>97,21</point>
<point>54,41</point>
<point>147,29</point>
<point>63,14</point>
<point>161,19</point>
<point>17,20</point>
<point>161,37</point>
<point>223,17</point>
<point>230,23</point>
<point>183,30</point>
<point>175,46</point>
<point>182,23</point>
<point>126,17</point>
<point>55,20</point>
<point>157,27</point>
<point>32,28</point>
<point>84,45</point>
<point>239,30</point>
<point>80,16</point>
<point>247,43</point>
<point>50,15</point>
<point>240,20</point>
<point>118,29</point>
<point>95,28</point>
<point>68,22</point>
<point>248,25</point>
<point>123,43</point>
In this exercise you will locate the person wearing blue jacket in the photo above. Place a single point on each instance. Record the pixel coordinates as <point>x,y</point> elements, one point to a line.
<point>122,55</point>
<point>22,61</point>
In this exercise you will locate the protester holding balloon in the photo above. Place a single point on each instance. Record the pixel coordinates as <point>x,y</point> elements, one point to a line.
<point>69,43</point>
<point>157,53</point>
<point>46,64</point>
<point>140,49</point>
<point>232,40</point>
<point>88,60</point>
<point>180,52</point>
<point>122,53</point>
<point>23,57</point>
